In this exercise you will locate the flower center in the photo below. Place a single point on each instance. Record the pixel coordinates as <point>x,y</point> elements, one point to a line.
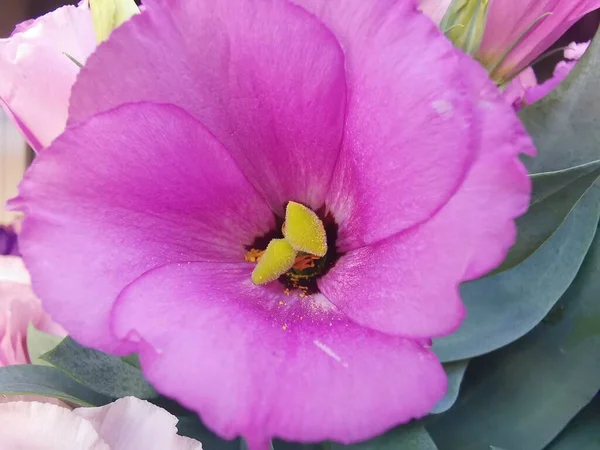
<point>301,249</point>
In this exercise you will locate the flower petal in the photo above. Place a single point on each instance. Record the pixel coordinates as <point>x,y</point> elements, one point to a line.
<point>253,361</point>
<point>536,93</point>
<point>408,285</point>
<point>514,93</point>
<point>509,21</point>
<point>35,70</point>
<point>130,423</point>
<point>572,53</point>
<point>33,425</point>
<point>434,9</point>
<point>409,138</point>
<point>18,308</point>
<point>9,242</point>
<point>13,270</point>
<point>152,186</point>
<point>265,78</point>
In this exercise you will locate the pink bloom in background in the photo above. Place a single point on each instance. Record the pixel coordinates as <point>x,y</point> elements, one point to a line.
<point>126,424</point>
<point>37,76</point>
<point>525,90</point>
<point>194,126</point>
<point>533,25</point>
<point>435,9</point>
<point>515,91</point>
<point>572,54</point>
<point>517,32</point>
<point>19,307</point>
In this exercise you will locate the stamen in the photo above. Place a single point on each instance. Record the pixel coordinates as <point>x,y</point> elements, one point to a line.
<point>277,259</point>
<point>253,255</point>
<point>304,230</point>
<point>304,262</point>
<point>300,256</point>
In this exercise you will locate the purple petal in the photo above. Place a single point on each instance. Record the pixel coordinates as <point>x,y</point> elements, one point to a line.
<point>9,244</point>
<point>508,21</point>
<point>514,92</point>
<point>265,78</point>
<point>133,189</point>
<point>536,93</point>
<point>408,284</point>
<point>409,139</point>
<point>574,52</point>
<point>253,361</point>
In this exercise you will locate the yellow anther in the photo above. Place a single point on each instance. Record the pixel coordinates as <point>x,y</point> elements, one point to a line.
<point>278,258</point>
<point>253,255</point>
<point>110,14</point>
<point>304,230</point>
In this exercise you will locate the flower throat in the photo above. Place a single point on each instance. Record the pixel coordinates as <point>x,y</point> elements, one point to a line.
<point>297,252</point>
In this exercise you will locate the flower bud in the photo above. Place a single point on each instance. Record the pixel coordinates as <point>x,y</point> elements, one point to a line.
<point>110,14</point>
<point>464,23</point>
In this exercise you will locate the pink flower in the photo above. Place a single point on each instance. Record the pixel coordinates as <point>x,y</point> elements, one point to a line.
<point>36,73</point>
<point>514,93</point>
<point>127,424</point>
<point>435,9</point>
<point>200,125</point>
<point>572,54</point>
<point>525,90</point>
<point>516,32</point>
<point>519,31</point>
<point>19,307</point>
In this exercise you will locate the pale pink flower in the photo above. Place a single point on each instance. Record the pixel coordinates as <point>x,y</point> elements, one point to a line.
<point>435,9</point>
<point>37,74</point>
<point>18,308</point>
<point>127,424</point>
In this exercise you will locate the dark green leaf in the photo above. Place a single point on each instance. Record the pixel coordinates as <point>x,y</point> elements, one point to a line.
<point>585,328</point>
<point>106,374</point>
<point>564,124</point>
<point>504,307</point>
<point>132,360</point>
<point>456,372</point>
<point>409,437</point>
<point>39,343</point>
<point>244,445</point>
<point>192,427</point>
<point>48,382</point>
<point>583,433</point>
<point>523,395</point>
<point>555,194</point>
<point>283,445</point>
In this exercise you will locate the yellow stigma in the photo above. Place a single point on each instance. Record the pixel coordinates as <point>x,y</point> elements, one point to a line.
<point>304,242</point>
<point>304,230</point>
<point>278,258</point>
<point>110,14</point>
